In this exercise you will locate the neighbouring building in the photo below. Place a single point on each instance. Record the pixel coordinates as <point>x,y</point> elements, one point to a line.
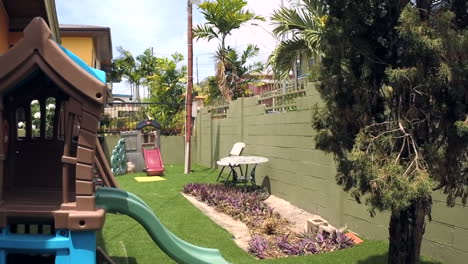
<point>298,79</point>
<point>93,44</point>
<point>120,106</point>
<point>121,98</point>
<point>15,15</point>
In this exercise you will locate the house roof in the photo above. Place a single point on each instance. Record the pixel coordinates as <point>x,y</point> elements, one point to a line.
<point>101,36</point>
<point>38,50</point>
<point>78,27</point>
<point>21,12</point>
<point>122,95</point>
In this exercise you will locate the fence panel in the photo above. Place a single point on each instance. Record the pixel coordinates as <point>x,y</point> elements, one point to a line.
<point>281,97</point>
<point>219,108</point>
<point>124,116</point>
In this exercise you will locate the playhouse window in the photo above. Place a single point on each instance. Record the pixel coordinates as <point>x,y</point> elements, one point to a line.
<point>35,118</point>
<point>20,123</point>
<point>50,106</point>
<point>42,118</point>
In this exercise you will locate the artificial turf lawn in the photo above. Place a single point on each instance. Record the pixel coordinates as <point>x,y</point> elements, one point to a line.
<point>127,242</point>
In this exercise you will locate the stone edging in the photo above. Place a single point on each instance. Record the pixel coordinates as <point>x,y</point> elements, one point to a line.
<point>237,229</point>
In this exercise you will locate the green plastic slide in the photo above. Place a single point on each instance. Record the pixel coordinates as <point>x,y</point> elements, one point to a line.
<point>119,201</point>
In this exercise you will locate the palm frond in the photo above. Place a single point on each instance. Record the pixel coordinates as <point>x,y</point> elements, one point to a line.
<point>285,54</point>
<point>227,15</point>
<point>314,41</point>
<point>316,7</point>
<point>250,52</point>
<point>304,24</point>
<point>287,20</point>
<point>256,67</point>
<point>204,32</point>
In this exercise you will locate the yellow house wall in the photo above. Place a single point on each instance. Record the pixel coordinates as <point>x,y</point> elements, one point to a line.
<point>4,45</point>
<point>82,47</point>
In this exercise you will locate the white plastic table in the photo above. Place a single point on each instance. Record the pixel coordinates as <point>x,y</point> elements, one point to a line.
<point>236,161</point>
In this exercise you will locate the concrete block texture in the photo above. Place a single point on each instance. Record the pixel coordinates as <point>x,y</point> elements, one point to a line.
<point>305,176</point>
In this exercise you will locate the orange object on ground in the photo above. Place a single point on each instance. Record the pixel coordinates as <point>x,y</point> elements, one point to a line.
<point>354,238</point>
<point>153,161</point>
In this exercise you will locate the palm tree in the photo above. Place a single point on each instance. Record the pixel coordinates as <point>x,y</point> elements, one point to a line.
<point>302,26</point>
<point>222,16</point>
<point>135,70</point>
<point>238,73</point>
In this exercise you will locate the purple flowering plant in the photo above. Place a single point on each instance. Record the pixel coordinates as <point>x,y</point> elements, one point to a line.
<point>271,237</point>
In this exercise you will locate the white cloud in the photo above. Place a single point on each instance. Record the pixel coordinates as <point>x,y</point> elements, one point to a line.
<point>133,23</point>
<point>140,24</point>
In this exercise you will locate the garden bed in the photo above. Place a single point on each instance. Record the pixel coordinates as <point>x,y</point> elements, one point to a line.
<point>271,236</point>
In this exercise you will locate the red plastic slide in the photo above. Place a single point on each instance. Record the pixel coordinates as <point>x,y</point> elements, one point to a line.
<point>153,161</point>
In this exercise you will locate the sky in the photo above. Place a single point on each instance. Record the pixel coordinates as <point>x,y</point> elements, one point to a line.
<point>161,24</point>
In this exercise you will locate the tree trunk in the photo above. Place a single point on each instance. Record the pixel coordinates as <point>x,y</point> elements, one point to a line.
<point>137,93</point>
<point>406,232</point>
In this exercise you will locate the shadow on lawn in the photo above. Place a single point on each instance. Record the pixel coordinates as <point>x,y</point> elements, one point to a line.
<point>210,170</point>
<point>382,259</point>
<point>118,260</point>
<point>124,260</point>
<point>100,240</point>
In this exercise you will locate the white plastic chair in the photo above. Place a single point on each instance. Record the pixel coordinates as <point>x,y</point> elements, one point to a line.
<point>236,150</point>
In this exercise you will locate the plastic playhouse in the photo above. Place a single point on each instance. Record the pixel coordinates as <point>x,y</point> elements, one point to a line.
<point>138,140</point>
<point>50,205</point>
<point>150,147</point>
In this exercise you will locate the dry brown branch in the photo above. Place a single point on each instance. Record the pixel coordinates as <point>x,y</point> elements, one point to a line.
<point>220,74</point>
<point>400,125</point>
<point>384,133</point>
<point>401,150</point>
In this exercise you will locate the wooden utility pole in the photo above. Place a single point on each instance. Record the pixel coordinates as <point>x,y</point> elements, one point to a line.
<point>188,94</point>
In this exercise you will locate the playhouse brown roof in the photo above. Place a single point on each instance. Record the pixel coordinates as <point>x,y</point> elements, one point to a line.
<point>39,50</point>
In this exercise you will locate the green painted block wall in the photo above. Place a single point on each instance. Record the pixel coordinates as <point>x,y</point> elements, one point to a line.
<point>110,141</point>
<point>172,149</point>
<point>305,176</point>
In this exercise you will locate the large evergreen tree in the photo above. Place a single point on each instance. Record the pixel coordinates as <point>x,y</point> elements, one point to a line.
<point>395,84</point>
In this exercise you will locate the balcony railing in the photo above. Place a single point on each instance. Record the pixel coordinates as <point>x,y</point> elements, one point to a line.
<point>219,108</point>
<point>277,97</point>
<point>281,96</point>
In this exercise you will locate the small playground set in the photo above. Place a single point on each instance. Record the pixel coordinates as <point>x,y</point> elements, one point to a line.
<point>141,150</point>
<point>151,148</point>
<point>51,201</point>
